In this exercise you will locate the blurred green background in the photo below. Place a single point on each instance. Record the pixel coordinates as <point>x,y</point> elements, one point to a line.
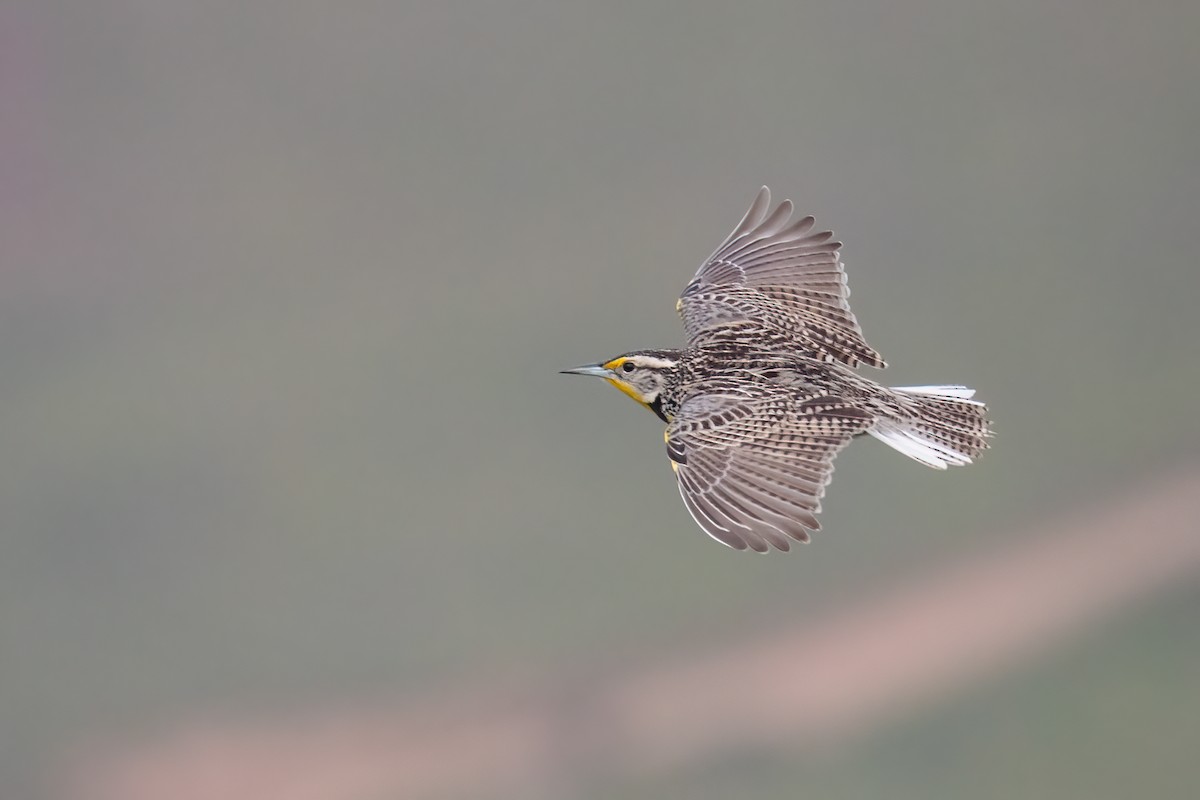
<point>287,286</point>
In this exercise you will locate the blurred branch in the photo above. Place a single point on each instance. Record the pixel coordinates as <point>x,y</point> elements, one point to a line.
<point>841,675</point>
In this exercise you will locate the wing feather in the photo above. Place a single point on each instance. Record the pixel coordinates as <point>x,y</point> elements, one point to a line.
<point>752,470</point>
<point>788,281</point>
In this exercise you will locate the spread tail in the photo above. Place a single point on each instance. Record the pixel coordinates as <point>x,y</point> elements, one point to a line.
<point>940,426</point>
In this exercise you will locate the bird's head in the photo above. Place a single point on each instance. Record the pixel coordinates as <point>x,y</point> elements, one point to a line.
<point>642,374</point>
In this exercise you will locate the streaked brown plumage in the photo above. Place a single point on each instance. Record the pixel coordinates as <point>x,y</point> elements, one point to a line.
<point>764,396</point>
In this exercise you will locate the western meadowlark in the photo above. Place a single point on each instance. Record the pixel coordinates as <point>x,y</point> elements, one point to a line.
<point>763,397</point>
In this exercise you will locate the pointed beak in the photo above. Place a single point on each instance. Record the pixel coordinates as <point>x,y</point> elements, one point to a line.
<point>595,370</point>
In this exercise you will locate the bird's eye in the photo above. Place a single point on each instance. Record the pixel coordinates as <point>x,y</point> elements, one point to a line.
<point>627,366</point>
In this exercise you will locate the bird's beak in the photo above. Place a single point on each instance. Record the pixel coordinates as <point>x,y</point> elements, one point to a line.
<point>596,370</point>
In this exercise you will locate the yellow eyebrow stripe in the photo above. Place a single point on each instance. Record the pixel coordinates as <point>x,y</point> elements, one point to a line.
<point>615,363</point>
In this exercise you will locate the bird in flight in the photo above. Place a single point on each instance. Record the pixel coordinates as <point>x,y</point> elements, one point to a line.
<point>765,396</point>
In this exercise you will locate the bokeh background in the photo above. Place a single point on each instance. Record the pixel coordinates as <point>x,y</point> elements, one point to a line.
<point>291,489</point>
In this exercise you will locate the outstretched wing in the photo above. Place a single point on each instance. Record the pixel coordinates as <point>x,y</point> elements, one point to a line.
<point>752,471</point>
<point>778,275</point>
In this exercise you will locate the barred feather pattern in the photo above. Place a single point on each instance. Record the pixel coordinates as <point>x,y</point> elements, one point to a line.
<point>790,282</point>
<point>765,396</point>
<point>752,467</point>
<point>754,432</point>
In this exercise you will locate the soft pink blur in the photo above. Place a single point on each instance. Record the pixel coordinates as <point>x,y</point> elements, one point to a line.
<point>813,686</point>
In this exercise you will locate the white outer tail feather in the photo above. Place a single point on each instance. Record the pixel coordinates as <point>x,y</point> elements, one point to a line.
<point>961,392</point>
<point>907,438</point>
